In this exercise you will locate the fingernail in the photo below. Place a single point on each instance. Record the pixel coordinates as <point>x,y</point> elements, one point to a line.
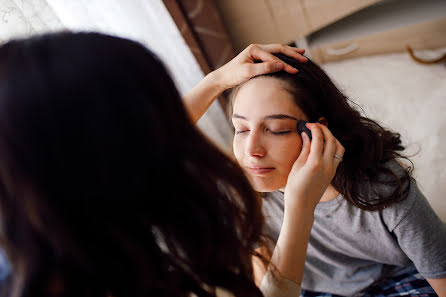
<point>304,137</point>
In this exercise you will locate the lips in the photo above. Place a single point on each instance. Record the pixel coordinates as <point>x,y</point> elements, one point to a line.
<point>259,170</point>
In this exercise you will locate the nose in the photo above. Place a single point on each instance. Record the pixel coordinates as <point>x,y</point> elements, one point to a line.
<point>254,146</point>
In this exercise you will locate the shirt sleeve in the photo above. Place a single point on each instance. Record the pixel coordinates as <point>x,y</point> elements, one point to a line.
<point>421,234</point>
<point>276,286</point>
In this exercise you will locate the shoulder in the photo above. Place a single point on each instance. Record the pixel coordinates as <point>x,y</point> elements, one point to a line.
<point>420,233</point>
<point>388,179</point>
<point>414,209</point>
<point>413,197</point>
<point>396,212</point>
<point>393,170</point>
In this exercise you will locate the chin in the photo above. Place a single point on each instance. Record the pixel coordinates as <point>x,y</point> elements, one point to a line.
<point>265,186</point>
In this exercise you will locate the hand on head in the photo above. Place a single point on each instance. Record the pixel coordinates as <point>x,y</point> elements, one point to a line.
<point>244,66</point>
<point>254,60</point>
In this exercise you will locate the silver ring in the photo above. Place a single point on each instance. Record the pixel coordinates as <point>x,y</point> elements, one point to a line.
<point>338,157</point>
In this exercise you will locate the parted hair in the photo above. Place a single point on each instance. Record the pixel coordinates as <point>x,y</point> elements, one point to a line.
<point>106,188</point>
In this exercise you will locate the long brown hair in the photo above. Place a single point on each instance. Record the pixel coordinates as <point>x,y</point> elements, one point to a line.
<point>369,147</point>
<point>106,188</point>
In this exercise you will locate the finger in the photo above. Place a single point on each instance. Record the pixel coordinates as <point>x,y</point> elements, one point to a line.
<point>289,51</point>
<point>264,67</point>
<point>340,151</point>
<point>300,51</point>
<point>330,144</point>
<point>261,54</point>
<point>317,143</point>
<point>303,156</point>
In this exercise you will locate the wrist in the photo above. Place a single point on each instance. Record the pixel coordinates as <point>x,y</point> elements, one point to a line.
<point>301,219</point>
<point>298,201</point>
<point>298,211</point>
<point>218,80</point>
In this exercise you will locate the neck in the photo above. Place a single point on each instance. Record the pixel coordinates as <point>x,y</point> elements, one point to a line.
<point>329,194</point>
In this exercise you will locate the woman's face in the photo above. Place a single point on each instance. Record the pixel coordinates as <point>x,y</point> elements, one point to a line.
<point>266,142</point>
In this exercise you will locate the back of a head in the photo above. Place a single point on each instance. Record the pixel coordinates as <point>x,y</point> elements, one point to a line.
<point>106,189</point>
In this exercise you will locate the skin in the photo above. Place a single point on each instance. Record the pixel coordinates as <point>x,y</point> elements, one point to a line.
<point>262,108</point>
<point>439,285</point>
<point>309,175</point>
<point>237,71</point>
<point>266,143</point>
<point>256,145</point>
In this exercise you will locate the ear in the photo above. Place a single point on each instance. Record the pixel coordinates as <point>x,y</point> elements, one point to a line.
<point>323,121</point>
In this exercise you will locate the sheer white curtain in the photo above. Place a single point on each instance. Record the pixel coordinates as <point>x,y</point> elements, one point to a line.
<point>146,21</point>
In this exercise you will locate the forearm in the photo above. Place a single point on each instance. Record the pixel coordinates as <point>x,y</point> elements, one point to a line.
<point>291,248</point>
<point>439,285</point>
<point>309,178</point>
<point>198,100</point>
<point>258,264</point>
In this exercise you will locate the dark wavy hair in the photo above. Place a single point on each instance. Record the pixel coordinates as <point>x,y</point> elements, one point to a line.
<point>106,188</point>
<point>366,177</point>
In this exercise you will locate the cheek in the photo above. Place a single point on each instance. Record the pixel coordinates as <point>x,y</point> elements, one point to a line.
<point>285,156</point>
<point>238,148</point>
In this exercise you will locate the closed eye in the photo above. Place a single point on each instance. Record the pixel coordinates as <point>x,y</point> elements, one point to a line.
<point>241,131</point>
<point>280,132</point>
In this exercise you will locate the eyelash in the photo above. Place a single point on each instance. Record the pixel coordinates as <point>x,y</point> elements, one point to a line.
<point>280,133</point>
<point>274,133</point>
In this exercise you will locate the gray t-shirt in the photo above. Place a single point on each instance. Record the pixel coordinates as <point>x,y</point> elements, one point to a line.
<point>350,249</point>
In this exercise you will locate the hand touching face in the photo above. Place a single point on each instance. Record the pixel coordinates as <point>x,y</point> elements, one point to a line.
<point>266,142</point>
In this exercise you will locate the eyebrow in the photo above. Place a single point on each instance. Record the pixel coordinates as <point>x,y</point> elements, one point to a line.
<point>268,117</point>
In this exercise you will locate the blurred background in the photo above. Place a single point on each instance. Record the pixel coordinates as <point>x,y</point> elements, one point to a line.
<point>363,45</point>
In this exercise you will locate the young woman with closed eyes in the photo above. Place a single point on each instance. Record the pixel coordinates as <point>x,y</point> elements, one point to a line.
<point>374,231</point>
<point>269,149</point>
